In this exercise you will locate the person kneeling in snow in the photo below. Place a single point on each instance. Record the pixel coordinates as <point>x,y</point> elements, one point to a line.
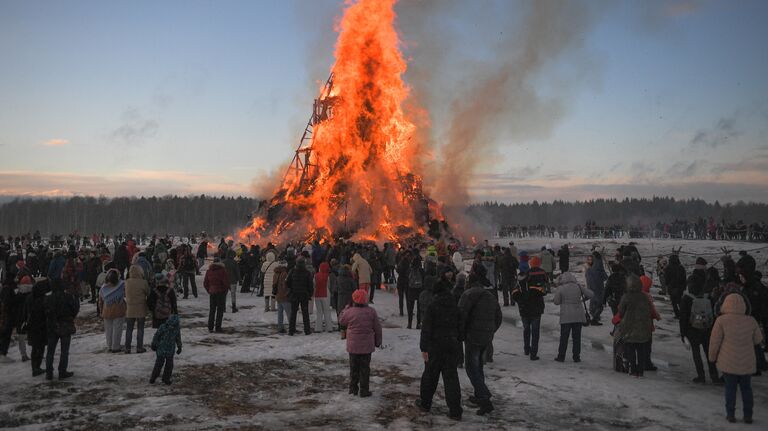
<point>166,340</point>
<point>363,336</point>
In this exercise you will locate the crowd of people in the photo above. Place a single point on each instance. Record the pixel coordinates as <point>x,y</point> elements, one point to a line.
<point>700,229</point>
<point>453,295</point>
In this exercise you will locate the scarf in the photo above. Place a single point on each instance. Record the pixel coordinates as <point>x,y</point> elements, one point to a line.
<point>113,294</point>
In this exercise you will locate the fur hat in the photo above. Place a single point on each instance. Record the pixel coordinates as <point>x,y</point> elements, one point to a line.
<point>360,296</point>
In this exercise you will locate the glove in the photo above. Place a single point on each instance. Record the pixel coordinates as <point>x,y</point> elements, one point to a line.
<point>178,351</point>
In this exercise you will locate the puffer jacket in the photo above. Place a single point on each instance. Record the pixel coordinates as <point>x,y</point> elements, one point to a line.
<point>568,297</point>
<point>168,337</point>
<point>734,335</point>
<point>547,261</point>
<point>362,268</point>
<point>363,329</point>
<point>481,314</point>
<point>300,286</point>
<point>268,269</point>
<point>216,279</point>
<point>441,327</point>
<point>529,298</point>
<point>636,317</point>
<point>136,293</point>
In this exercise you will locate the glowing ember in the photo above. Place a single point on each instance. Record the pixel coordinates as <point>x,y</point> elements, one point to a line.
<point>353,174</point>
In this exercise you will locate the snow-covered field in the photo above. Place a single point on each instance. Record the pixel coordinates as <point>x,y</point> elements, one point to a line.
<point>252,378</point>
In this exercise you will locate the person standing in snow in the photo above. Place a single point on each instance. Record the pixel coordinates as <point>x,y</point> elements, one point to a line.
<point>267,279</point>
<point>675,279</point>
<point>61,308</point>
<point>440,343</point>
<point>166,342</point>
<point>731,347</point>
<point>323,321</point>
<point>300,291</point>
<point>415,285</point>
<point>34,310</point>
<point>570,296</point>
<point>696,319</point>
<point>548,262</point>
<point>529,296</point>
<point>363,336</point>
<point>481,315</point>
<point>564,257</point>
<point>136,294</point>
<point>113,308</point>
<point>596,276</point>
<point>362,270</point>
<point>636,324</point>
<point>280,292</point>
<point>233,273</point>
<point>216,283</point>
<point>403,268</point>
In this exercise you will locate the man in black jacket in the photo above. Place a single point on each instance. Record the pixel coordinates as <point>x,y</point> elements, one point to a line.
<point>300,289</point>
<point>676,278</point>
<point>529,295</point>
<point>61,308</point>
<point>440,337</point>
<point>482,317</point>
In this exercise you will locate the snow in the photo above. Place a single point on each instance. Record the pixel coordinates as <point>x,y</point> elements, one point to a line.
<point>251,377</point>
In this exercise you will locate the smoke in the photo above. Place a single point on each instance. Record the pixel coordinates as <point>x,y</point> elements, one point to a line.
<point>502,101</point>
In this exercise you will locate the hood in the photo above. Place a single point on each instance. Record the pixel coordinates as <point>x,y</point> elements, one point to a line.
<point>674,260</point>
<point>357,258</point>
<point>733,304</point>
<point>270,257</point>
<point>136,272</point>
<point>216,266</point>
<point>173,321</point>
<point>568,278</point>
<point>325,268</point>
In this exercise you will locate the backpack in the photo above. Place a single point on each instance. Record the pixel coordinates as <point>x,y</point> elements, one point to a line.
<point>702,315</point>
<point>415,279</point>
<point>163,305</point>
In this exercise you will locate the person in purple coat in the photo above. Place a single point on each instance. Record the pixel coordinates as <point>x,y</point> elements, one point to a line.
<point>363,336</point>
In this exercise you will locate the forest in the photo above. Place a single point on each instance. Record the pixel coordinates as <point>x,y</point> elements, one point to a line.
<point>216,215</point>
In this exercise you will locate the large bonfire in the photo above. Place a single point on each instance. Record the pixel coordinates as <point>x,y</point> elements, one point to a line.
<point>355,171</point>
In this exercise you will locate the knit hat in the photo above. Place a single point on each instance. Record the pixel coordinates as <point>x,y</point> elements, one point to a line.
<point>523,267</point>
<point>647,283</point>
<point>535,262</point>
<point>360,296</point>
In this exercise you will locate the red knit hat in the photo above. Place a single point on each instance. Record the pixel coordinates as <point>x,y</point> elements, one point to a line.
<point>535,262</point>
<point>647,283</point>
<point>360,296</point>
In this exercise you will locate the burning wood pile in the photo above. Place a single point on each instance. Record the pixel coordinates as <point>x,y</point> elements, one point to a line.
<point>355,171</point>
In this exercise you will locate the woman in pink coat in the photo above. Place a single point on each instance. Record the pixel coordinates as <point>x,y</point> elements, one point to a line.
<point>363,336</point>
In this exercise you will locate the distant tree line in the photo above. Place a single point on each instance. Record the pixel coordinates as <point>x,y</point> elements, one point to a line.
<point>216,215</point>
<point>88,215</point>
<point>616,212</point>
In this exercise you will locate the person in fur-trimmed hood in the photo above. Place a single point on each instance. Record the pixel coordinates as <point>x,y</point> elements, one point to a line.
<point>734,335</point>
<point>216,283</point>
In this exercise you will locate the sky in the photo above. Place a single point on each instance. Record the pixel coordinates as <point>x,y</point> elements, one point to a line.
<point>666,98</point>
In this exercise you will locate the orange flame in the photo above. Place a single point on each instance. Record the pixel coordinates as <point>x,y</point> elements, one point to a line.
<point>358,167</point>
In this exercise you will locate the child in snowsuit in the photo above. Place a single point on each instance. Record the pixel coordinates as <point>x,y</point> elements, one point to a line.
<point>167,337</point>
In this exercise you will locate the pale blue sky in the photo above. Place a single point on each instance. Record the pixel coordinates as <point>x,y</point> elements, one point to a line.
<point>662,97</point>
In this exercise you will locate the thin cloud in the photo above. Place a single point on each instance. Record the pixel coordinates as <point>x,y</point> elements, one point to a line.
<point>56,142</point>
<point>681,8</point>
<point>723,132</point>
<point>136,128</point>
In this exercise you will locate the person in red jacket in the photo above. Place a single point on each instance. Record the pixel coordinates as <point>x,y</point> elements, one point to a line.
<point>322,306</point>
<point>216,283</point>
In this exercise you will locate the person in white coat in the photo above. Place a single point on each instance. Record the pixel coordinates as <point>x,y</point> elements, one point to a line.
<point>268,269</point>
<point>570,296</point>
